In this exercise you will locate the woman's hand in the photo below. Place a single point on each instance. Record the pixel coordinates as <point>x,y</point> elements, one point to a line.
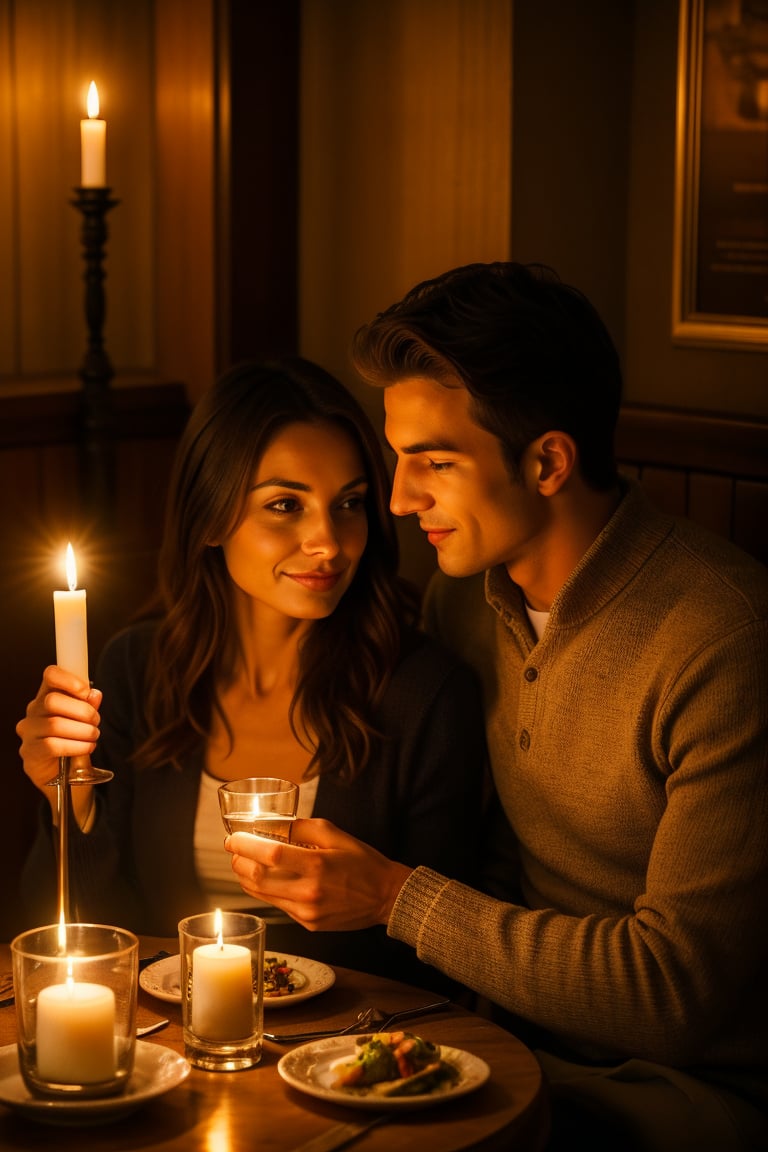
<point>62,720</point>
<point>334,883</point>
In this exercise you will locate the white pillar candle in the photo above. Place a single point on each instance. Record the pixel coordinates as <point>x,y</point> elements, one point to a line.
<point>71,624</point>
<point>75,1033</point>
<point>93,145</point>
<point>222,990</point>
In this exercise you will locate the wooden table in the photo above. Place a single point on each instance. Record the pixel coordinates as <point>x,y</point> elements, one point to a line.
<point>256,1110</point>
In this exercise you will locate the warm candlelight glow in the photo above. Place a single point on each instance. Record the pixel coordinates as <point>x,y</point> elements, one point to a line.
<point>71,568</point>
<point>92,102</point>
<point>218,927</point>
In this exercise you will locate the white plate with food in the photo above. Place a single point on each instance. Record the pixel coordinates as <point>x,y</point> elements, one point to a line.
<point>287,979</point>
<point>318,1067</point>
<point>155,1070</point>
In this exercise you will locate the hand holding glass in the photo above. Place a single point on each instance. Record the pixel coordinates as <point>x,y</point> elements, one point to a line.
<point>261,805</point>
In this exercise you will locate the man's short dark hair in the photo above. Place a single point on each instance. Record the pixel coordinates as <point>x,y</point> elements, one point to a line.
<point>532,352</point>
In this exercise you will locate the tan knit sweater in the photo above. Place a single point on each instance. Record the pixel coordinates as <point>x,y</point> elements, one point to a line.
<point>630,752</point>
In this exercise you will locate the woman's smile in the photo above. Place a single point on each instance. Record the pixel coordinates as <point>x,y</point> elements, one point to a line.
<point>316,581</point>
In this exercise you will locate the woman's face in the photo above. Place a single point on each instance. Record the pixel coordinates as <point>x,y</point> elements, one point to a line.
<point>298,545</point>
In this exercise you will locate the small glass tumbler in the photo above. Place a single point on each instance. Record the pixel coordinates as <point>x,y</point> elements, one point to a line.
<point>222,989</point>
<point>75,987</point>
<point>262,805</point>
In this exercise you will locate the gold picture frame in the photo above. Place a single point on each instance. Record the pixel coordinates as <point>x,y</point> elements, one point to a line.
<point>720,265</point>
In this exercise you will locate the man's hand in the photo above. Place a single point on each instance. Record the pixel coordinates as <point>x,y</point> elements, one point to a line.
<point>326,880</point>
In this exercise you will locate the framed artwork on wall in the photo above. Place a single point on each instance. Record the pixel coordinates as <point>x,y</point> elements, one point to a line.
<point>720,263</point>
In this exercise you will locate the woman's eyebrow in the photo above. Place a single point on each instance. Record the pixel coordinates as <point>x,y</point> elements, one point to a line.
<point>299,486</point>
<point>279,482</point>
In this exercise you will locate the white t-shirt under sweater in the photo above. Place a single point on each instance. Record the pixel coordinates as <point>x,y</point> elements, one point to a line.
<point>538,621</point>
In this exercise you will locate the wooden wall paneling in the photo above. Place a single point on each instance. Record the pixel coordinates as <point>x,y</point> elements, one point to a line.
<point>185,170</point>
<point>712,468</point>
<point>48,113</point>
<point>750,517</point>
<point>667,487</point>
<point>258,166</point>
<point>571,164</point>
<point>9,269</point>
<point>710,501</point>
<point>58,47</point>
<point>405,148</point>
<point>117,40</point>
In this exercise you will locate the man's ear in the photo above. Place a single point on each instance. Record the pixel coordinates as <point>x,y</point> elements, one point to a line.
<point>556,457</point>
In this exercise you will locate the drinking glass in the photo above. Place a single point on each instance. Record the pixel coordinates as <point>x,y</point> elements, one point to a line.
<point>262,805</point>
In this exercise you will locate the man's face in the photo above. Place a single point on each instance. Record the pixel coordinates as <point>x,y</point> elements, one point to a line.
<point>451,473</point>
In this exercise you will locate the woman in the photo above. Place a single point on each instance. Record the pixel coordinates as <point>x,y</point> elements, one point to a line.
<point>281,643</point>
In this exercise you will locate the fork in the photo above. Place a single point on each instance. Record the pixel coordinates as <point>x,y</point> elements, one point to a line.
<point>370,1018</point>
<point>361,1022</point>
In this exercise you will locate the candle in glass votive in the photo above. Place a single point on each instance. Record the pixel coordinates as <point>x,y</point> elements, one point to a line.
<point>71,623</point>
<point>75,1033</point>
<point>93,144</point>
<point>222,989</point>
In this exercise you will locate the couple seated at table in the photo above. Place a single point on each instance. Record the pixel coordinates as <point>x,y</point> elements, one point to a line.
<point>622,656</point>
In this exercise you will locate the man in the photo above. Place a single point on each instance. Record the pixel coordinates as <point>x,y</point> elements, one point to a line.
<point>624,662</point>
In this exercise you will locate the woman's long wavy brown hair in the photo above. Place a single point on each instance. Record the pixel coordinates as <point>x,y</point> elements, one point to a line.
<point>346,660</point>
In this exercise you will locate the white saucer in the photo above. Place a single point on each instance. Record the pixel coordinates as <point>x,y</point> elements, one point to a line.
<point>156,1070</point>
<point>163,979</point>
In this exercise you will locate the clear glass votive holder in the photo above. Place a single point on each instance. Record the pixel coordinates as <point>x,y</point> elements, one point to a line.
<point>75,987</point>
<point>222,989</point>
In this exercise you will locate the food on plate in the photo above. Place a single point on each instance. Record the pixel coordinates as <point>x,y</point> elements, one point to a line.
<point>394,1064</point>
<point>279,977</point>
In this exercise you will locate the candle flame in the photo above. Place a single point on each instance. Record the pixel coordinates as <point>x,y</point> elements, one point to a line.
<point>71,568</point>
<point>218,926</point>
<point>92,102</point>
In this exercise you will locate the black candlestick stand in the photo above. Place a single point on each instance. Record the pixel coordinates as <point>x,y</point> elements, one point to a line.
<point>96,370</point>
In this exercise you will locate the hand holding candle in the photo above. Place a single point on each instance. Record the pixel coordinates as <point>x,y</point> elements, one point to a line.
<point>71,624</point>
<point>93,145</point>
